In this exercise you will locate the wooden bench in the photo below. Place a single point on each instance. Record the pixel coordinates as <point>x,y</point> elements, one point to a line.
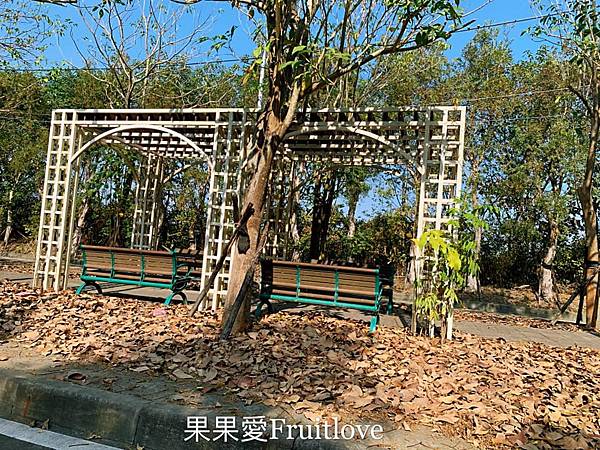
<point>319,284</point>
<point>148,268</point>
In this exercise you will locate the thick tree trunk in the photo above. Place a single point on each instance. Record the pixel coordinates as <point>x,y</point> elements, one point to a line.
<point>546,280</point>
<point>591,226</point>
<point>256,195</point>
<point>9,218</point>
<point>279,112</point>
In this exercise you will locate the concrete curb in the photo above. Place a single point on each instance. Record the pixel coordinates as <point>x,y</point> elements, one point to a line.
<point>126,421</point>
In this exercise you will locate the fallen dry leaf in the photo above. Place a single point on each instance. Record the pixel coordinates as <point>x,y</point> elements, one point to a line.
<point>181,375</point>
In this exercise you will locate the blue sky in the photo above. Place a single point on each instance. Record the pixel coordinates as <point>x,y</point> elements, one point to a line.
<point>222,17</point>
<point>495,12</point>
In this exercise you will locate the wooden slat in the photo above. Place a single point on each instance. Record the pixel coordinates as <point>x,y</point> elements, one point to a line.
<point>117,250</point>
<point>158,264</point>
<point>323,288</point>
<point>100,267</point>
<point>325,267</point>
<point>345,299</point>
<point>356,277</point>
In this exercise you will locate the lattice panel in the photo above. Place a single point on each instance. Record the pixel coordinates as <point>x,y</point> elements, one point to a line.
<point>52,261</point>
<point>279,201</point>
<point>441,174</point>
<point>148,200</point>
<point>229,140</point>
<point>429,141</point>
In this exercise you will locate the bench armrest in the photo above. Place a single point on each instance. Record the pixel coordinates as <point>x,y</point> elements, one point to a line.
<point>179,265</point>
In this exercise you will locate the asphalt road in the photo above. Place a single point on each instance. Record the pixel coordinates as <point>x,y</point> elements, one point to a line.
<point>17,436</point>
<point>7,443</point>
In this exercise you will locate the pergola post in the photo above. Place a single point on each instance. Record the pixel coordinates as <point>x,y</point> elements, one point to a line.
<point>58,200</point>
<point>440,180</point>
<point>229,142</point>
<point>279,199</point>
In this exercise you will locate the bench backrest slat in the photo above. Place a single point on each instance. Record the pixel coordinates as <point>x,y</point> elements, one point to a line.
<point>95,256</point>
<point>319,281</point>
<point>128,262</point>
<point>158,264</point>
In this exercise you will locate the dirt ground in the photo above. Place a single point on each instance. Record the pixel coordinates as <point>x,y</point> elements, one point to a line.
<point>523,295</point>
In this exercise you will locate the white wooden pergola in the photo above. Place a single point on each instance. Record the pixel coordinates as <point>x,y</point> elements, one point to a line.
<point>429,141</point>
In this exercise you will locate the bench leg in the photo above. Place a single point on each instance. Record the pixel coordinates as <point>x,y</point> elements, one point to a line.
<point>373,324</point>
<point>258,312</point>
<point>89,283</point>
<point>173,294</point>
<point>390,306</point>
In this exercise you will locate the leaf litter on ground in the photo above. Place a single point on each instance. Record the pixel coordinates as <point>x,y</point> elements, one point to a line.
<point>490,392</point>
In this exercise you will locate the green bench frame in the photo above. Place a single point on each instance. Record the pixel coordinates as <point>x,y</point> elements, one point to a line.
<point>176,281</point>
<point>337,297</point>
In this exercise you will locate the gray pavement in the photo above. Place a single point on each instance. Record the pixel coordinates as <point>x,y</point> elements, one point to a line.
<point>8,443</point>
<point>547,336</point>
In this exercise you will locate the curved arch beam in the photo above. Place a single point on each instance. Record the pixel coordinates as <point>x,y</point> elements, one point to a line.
<point>122,128</point>
<point>375,137</point>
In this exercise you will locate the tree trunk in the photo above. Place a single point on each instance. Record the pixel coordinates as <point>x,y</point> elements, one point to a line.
<point>315,227</point>
<point>591,225</point>
<point>473,280</point>
<point>9,218</point>
<point>322,209</point>
<point>546,281</point>
<point>352,204</point>
<point>78,231</point>
<point>125,191</point>
<point>256,195</point>
<point>192,236</point>
<point>330,190</point>
<point>295,199</point>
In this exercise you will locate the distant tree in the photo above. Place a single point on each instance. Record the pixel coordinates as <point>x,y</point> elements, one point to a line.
<point>483,77</point>
<point>24,29</point>
<point>136,44</point>
<point>22,145</point>
<point>574,27</point>
<point>541,158</point>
